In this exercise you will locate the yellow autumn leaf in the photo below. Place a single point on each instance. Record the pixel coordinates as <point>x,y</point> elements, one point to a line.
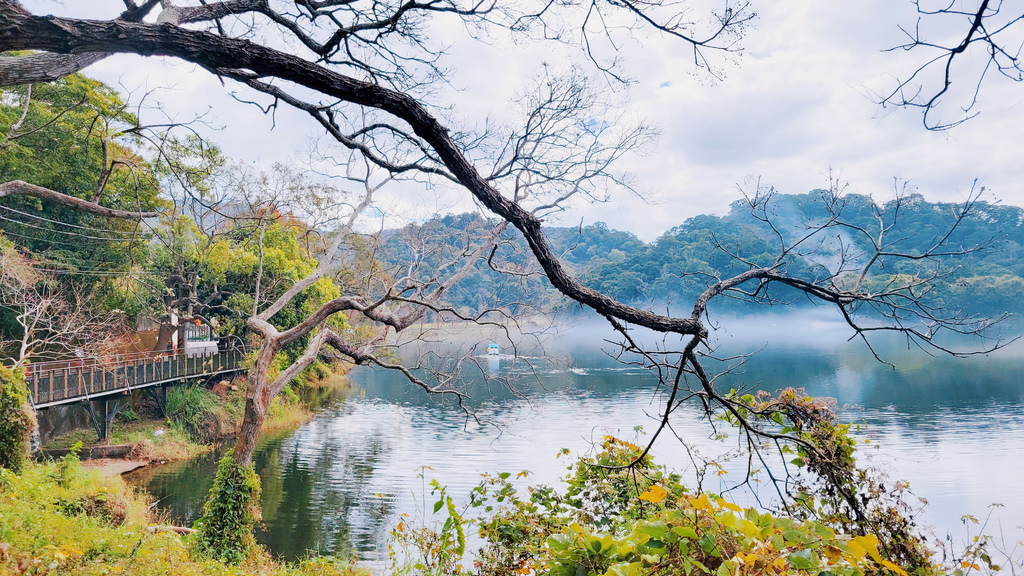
<point>400,527</point>
<point>748,528</point>
<point>654,494</point>
<point>894,568</point>
<point>701,503</point>
<point>867,540</point>
<point>856,549</point>
<point>729,505</point>
<point>726,518</point>
<point>870,544</point>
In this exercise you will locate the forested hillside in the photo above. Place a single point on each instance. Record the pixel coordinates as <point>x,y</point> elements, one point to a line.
<point>679,265</point>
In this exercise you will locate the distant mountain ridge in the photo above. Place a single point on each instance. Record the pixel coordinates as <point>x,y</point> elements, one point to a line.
<point>682,262</point>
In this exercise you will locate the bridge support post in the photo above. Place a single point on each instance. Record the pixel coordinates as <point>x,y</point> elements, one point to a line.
<point>64,413</point>
<point>102,413</point>
<point>159,395</point>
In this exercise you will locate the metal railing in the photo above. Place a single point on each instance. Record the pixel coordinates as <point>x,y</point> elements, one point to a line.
<point>66,381</point>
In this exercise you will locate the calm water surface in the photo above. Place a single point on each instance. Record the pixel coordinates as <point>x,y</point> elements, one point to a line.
<point>954,429</point>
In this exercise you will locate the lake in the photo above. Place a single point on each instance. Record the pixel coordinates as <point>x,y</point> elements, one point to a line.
<point>953,428</point>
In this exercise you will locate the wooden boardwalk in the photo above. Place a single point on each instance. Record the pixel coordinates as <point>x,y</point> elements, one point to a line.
<point>79,380</point>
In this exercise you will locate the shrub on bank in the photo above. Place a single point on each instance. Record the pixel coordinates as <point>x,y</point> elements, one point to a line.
<point>634,521</point>
<point>16,420</point>
<point>198,412</point>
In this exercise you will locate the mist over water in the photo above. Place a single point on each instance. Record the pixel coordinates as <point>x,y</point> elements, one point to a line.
<point>953,428</point>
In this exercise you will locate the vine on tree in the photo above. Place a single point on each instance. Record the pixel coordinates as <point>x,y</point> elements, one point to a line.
<point>16,420</point>
<point>224,530</point>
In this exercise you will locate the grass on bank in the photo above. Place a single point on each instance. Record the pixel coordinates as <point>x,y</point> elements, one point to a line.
<point>150,440</point>
<point>58,518</point>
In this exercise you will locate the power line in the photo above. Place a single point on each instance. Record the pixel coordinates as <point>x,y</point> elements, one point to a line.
<point>76,267</point>
<point>133,239</point>
<point>81,272</point>
<point>8,232</point>
<point>89,228</point>
<point>41,265</point>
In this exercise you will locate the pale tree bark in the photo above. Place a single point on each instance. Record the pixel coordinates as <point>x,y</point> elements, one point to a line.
<point>20,188</point>
<point>391,313</point>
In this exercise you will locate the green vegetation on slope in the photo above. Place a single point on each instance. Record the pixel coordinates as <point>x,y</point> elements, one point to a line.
<point>674,269</point>
<point>59,519</point>
<point>16,419</point>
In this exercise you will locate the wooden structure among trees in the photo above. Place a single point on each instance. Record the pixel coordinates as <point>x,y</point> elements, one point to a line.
<point>104,387</point>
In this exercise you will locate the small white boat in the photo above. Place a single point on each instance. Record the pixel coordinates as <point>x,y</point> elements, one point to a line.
<point>492,349</point>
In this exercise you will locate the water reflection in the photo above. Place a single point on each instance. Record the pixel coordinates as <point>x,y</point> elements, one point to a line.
<point>953,428</point>
<point>317,483</point>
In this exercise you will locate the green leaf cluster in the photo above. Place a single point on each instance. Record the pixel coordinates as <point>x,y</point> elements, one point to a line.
<point>224,531</point>
<point>16,420</point>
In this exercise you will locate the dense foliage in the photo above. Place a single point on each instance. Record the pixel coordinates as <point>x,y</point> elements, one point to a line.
<point>224,530</point>
<point>612,519</point>
<point>77,136</point>
<point>16,420</point>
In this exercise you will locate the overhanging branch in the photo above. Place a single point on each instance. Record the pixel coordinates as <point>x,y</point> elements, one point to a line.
<point>20,188</point>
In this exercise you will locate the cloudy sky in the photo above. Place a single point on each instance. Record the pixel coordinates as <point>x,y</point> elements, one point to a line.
<point>796,106</point>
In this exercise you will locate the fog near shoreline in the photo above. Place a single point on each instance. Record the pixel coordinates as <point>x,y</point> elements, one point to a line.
<point>819,328</point>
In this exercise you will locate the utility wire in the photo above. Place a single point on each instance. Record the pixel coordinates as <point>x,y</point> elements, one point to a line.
<point>88,228</point>
<point>133,239</point>
<point>8,232</point>
<point>66,272</point>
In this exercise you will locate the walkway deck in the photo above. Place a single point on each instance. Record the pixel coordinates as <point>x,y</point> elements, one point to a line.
<point>70,381</point>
